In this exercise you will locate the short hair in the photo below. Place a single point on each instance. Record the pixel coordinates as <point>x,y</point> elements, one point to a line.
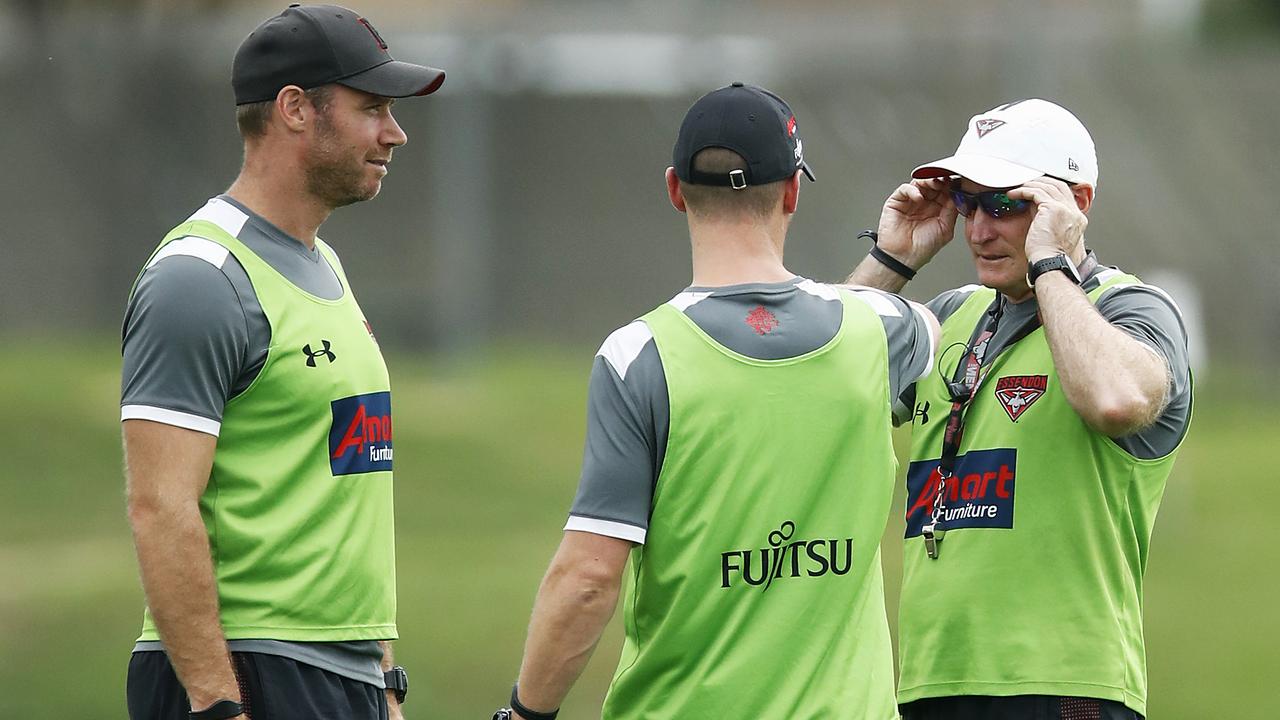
<point>252,118</point>
<point>759,201</point>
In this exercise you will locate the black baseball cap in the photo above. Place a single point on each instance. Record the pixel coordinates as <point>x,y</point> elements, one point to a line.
<point>750,121</point>
<point>313,45</point>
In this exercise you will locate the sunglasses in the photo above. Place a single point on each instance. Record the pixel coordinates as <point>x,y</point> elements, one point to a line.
<point>995,203</point>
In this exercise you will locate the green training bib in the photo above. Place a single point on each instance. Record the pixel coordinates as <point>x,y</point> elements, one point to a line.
<point>298,507</point>
<point>758,592</point>
<point>1038,589</point>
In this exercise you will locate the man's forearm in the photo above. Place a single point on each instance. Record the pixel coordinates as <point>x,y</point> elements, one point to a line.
<point>875,274</point>
<point>576,600</point>
<point>177,577</point>
<point>568,620</point>
<point>388,660</point>
<point>1115,383</point>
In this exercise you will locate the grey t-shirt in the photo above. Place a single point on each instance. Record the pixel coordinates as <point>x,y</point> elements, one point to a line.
<point>194,337</point>
<point>628,411</point>
<point>1145,312</point>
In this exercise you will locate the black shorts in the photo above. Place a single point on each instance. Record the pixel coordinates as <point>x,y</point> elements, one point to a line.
<point>271,688</point>
<point>1017,707</point>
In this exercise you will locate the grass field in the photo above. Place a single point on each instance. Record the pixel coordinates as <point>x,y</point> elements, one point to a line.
<point>486,464</point>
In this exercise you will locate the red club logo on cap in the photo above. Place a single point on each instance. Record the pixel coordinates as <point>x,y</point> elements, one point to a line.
<point>986,125</point>
<point>791,126</point>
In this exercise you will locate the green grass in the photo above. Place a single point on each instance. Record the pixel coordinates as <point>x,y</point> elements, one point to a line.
<point>486,465</point>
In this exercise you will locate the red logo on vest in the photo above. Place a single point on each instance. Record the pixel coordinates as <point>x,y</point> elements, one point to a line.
<point>1016,393</point>
<point>761,320</point>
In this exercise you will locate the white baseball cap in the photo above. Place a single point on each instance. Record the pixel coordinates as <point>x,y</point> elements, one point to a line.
<point>1019,142</point>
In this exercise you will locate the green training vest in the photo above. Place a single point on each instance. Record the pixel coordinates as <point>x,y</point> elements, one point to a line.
<point>1038,587</point>
<point>299,503</point>
<point>758,592</point>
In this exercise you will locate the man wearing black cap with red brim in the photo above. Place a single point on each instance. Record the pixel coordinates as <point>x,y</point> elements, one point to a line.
<point>256,407</point>
<point>738,452</point>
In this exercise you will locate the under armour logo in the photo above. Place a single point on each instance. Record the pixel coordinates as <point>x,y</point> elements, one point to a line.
<point>312,355</point>
<point>922,412</point>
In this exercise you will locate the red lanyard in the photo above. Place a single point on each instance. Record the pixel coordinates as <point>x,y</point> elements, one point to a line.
<point>962,393</point>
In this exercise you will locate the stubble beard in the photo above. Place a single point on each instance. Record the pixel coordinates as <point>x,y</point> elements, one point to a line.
<point>333,177</point>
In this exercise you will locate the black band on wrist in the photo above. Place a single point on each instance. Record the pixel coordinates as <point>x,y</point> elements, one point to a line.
<point>885,258</point>
<point>526,712</point>
<point>397,681</point>
<point>220,710</point>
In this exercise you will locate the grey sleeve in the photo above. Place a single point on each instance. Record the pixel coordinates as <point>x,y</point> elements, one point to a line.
<point>945,304</point>
<point>185,343</point>
<point>1150,317</point>
<point>627,422</point>
<point>910,348</point>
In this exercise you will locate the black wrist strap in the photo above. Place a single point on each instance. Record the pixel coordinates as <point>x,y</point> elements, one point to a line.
<point>885,258</point>
<point>526,712</point>
<point>220,710</point>
<point>397,681</point>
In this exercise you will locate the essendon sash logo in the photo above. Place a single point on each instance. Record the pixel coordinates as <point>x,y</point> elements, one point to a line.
<point>1016,393</point>
<point>979,494</point>
<point>360,437</point>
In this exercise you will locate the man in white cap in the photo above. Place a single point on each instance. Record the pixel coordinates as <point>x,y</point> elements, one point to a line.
<point>1042,440</point>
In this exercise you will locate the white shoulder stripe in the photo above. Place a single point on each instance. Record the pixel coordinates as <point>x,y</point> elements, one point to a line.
<point>826,292</point>
<point>685,300</point>
<point>1106,274</point>
<point>170,417</point>
<point>878,302</point>
<point>608,528</point>
<point>223,214</point>
<point>623,346</point>
<point>1164,295</point>
<point>207,250</point>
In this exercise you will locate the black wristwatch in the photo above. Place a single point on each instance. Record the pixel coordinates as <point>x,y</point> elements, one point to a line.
<point>397,681</point>
<point>1050,264</point>
<point>220,710</point>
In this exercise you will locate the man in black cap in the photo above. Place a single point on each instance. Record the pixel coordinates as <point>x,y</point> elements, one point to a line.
<point>738,451</point>
<point>256,407</point>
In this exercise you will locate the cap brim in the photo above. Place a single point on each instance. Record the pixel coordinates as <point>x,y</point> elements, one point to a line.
<point>984,170</point>
<point>808,172</point>
<point>396,79</point>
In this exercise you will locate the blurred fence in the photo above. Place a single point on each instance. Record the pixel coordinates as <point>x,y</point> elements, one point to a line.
<point>529,202</point>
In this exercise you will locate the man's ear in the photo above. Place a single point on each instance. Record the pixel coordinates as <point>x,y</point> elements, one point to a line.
<point>791,194</point>
<point>293,108</point>
<point>673,191</point>
<point>1083,194</point>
